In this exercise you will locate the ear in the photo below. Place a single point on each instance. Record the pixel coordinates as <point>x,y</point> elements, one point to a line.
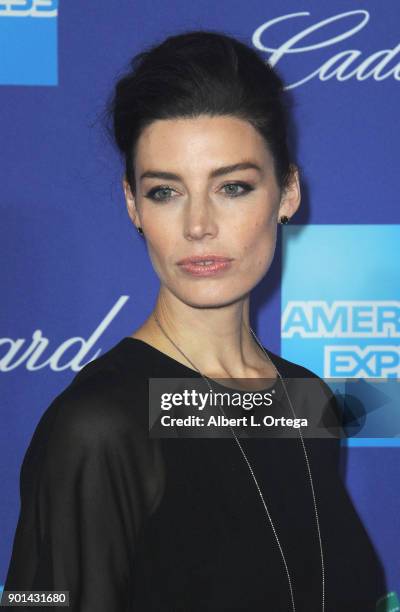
<point>291,194</point>
<point>130,203</point>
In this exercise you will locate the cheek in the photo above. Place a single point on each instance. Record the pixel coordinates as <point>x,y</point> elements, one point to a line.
<point>163,250</point>
<point>259,244</point>
<point>161,237</point>
<point>159,251</point>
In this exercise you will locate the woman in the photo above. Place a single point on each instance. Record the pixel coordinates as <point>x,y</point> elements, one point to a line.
<point>123,520</point>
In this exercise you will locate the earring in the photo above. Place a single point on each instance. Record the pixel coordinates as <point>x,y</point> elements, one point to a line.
<point>139,229</point>
<point>284,219</point>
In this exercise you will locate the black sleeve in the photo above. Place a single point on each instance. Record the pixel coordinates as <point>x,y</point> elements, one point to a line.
<point>98,480</point>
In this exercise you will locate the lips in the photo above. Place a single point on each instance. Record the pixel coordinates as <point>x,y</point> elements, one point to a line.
<point>203,260</point>
<point>206,265</point>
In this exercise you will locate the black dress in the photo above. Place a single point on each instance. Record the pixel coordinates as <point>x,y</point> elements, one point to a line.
<point>129,523</point>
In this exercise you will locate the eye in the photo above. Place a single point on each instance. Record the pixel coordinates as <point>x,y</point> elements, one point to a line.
<point>159,193</point>
<point>237,189</point>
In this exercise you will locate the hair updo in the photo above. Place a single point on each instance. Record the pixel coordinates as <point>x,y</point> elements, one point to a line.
<point>194,73</point>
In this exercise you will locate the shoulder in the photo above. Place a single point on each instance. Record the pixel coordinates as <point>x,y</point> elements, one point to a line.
<point>99,407</point>
<point>91,410</point>
<point>290,369</point>
<point>314,389</point>
<point>95,432</point>
<point>91,425</point>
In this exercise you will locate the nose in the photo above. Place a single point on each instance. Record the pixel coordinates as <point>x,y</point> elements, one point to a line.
<point>199,219</point>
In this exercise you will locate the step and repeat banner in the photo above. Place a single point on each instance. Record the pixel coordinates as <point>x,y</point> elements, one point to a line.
<point>76,278</point>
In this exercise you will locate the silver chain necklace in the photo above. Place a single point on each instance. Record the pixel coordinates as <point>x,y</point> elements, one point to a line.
<point>251,469</point>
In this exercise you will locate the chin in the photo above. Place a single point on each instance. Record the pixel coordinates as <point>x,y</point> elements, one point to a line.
<point>206,297</point>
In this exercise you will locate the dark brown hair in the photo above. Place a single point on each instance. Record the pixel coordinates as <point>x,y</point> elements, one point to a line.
<point>195,73</point>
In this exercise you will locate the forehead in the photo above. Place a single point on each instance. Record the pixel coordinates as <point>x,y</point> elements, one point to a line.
<point>200,142</point>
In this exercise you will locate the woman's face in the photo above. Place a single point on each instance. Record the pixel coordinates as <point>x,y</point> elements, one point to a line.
<point>205,187</point>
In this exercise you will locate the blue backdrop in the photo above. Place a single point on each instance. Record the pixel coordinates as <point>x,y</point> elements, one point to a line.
<point>76,277</point>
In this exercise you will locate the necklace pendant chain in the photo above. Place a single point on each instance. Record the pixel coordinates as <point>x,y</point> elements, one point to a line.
<point>251,469</point>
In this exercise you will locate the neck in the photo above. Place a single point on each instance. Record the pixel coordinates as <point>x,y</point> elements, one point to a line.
<point>218,340</point>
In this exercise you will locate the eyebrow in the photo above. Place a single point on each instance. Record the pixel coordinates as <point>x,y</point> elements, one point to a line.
<point>214,173</point>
